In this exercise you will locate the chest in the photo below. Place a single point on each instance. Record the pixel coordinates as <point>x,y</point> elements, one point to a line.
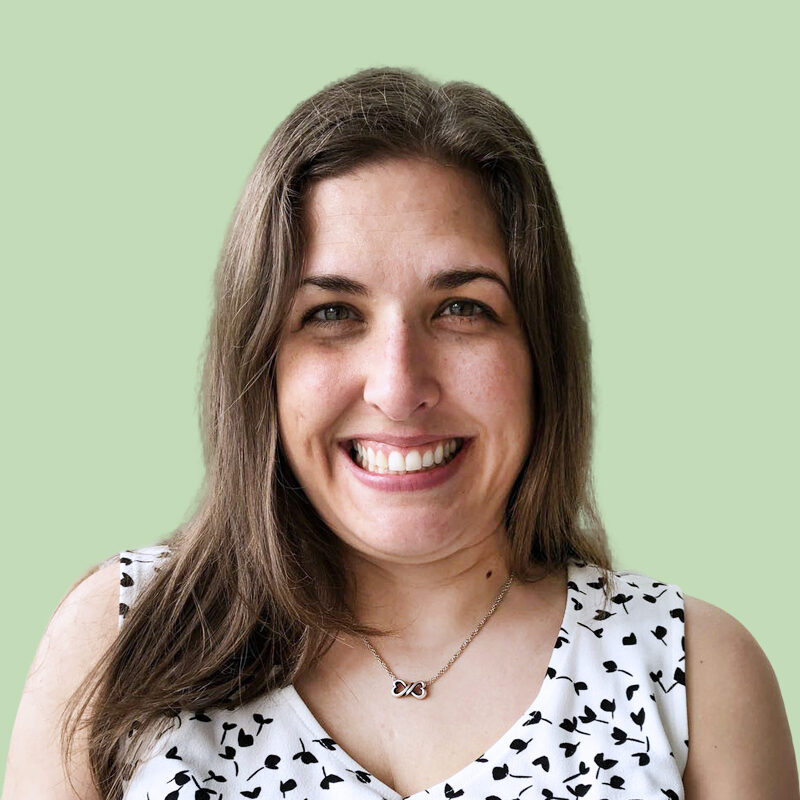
<point>411,744</point>
<point>611,713</point>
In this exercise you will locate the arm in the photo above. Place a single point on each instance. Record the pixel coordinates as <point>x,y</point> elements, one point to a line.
<point>82,627</point>
<point>740,746</point>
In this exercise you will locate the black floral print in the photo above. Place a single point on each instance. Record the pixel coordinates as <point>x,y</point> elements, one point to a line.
<point>609,722</point>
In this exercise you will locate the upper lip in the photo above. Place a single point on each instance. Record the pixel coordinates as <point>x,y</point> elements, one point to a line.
<point>402,441</point>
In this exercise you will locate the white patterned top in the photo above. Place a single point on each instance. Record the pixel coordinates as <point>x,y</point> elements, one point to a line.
<point>609,721</point>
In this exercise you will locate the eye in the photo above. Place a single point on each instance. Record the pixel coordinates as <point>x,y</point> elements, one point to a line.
<point>463,306</point>
<point>313,318</point>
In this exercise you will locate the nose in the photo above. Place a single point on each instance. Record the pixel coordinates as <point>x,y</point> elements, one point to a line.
<point>400,371</point>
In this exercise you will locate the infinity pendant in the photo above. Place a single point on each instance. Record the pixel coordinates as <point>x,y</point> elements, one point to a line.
<point>416,689</point>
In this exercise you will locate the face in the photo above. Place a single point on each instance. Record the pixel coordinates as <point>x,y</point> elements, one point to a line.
<point>395,339</point>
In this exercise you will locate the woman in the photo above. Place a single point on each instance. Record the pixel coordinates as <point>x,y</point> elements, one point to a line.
<point>396,583</point>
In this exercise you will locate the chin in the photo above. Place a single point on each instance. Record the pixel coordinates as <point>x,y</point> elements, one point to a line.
<point>402,539</point>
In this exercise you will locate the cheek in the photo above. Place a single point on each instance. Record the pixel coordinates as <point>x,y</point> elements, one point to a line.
<point>310,392</point>
<point>500,371</point>
<point>498,384</point>
<point>310,378</point>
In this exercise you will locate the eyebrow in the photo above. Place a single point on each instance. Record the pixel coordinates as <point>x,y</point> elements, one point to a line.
<point>446,279</point>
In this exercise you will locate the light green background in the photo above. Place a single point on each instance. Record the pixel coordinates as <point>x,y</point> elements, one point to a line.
<point>670,135</point>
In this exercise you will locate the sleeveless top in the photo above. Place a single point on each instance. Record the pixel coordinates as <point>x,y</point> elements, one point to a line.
<point>608,723</point>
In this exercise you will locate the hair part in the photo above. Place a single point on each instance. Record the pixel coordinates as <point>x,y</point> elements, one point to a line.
<point>253,590</point>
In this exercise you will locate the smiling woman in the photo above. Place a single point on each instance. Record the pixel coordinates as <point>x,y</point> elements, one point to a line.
<point>397,435</point>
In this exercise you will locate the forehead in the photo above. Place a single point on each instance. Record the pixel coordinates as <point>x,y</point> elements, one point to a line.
<point>400,208</point>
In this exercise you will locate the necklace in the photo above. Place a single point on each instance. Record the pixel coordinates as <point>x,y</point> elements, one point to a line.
<point>419,689</point>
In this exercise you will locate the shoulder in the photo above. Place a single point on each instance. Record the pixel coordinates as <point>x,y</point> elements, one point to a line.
<point>83,626</point>
<point>92,601</point>
<point>740,743</point>
<point>84,623</point>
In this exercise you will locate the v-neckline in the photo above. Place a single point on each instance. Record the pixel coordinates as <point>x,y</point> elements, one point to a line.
<point>492,755</point>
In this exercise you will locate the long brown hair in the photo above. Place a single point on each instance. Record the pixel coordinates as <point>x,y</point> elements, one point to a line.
<point>253,588</point>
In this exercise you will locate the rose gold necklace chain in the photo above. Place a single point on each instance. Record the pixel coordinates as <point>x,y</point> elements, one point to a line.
<point>419,689</point>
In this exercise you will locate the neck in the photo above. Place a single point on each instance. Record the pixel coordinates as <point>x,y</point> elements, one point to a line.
<point>428,605</point>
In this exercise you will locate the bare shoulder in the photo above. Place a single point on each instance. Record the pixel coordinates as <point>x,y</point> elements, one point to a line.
<point>740,745</point>
<point>82,627</point>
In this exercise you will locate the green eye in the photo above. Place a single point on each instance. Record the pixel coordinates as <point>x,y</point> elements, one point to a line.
<point>468,304</point>
<point>326,320</point>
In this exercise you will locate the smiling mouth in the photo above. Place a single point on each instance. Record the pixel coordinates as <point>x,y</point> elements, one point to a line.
<point>385,461</point>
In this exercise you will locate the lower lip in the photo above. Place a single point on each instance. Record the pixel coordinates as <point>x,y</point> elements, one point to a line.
<point>410,482</point>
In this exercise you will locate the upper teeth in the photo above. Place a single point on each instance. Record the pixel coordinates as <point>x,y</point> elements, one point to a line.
<point>385,459</point>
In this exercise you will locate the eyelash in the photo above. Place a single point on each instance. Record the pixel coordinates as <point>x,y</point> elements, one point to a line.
<point>485,312</point>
